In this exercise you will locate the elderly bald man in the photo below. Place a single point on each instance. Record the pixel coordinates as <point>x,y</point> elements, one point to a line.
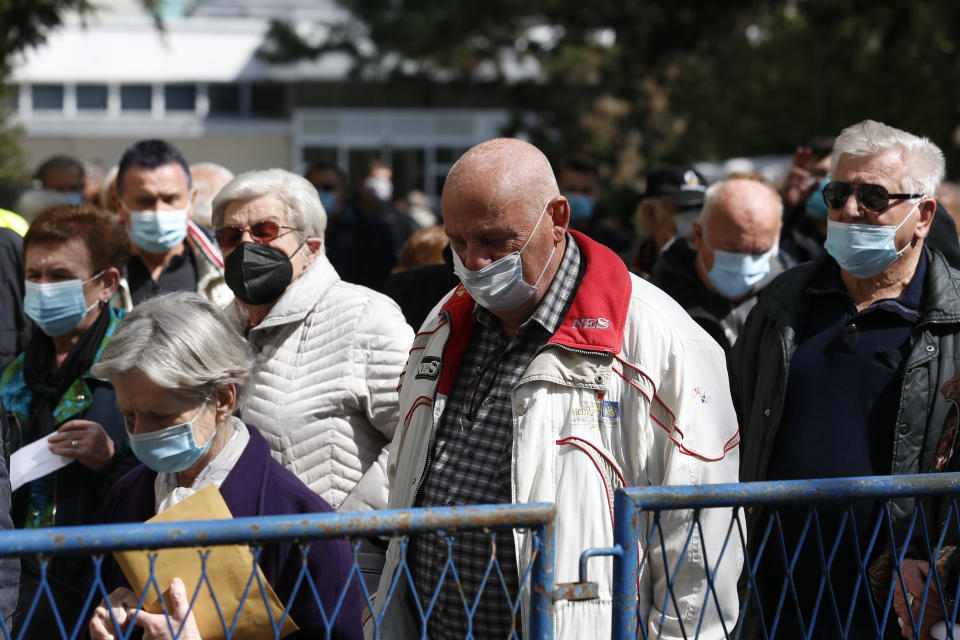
<point>733,255</point>
<point>552,374</point>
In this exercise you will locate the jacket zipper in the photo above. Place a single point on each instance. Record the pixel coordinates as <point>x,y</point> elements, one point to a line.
<point>433,428</point>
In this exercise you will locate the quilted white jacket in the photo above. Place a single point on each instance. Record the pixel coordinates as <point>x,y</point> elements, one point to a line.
<point>628,392</point>
<point>324,388</point>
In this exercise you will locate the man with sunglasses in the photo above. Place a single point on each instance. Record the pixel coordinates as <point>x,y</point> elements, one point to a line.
<point>553,374</point>
<point>169,252</point>
<point>840,366</point>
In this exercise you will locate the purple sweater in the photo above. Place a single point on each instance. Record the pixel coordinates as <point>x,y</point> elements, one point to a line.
<point>258,485</point>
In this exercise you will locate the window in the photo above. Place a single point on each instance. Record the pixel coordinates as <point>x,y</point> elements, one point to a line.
<point>268,100</point>
<point>47,97</point>
<point>135,97</point>
<point>180,97</point>
<point>92,97</point>
<point>224,98</point>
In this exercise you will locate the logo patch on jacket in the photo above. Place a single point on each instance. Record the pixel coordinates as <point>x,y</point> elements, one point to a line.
<point>592,413</point>
<point>429,368</point>
<point>591,323</point>
<point>702,394</point>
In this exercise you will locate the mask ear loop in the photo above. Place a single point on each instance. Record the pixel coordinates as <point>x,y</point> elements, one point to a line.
<point>98,300</point>
<point>916,207</point>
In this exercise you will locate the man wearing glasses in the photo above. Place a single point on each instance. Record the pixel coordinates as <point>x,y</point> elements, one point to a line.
<point>840,368</point>
<point>552,374</point>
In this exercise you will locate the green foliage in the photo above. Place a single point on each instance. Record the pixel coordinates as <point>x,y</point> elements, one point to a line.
<point>680,80</point>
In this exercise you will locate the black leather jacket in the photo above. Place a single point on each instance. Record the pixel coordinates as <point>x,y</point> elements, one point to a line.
<point>761,359</point>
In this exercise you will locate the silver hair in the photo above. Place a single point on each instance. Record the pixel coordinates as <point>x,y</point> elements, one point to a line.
<point>870,137</point>
<point>304,211</point>
<point>207,188</point>
<point>181,342</point>
<point>711,194</point>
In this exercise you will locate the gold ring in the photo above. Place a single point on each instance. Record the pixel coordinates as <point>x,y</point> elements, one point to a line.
<point>75,444</point>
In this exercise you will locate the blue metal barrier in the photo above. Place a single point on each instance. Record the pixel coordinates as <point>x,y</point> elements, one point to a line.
<point>802,536</point>
<point>260,532</point>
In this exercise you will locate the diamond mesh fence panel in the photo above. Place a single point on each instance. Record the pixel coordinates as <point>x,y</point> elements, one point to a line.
<point>270,577</point>
<point>835,558</point>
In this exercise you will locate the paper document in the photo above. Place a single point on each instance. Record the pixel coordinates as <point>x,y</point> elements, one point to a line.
<point>226,571</point>
<point>34,461</point>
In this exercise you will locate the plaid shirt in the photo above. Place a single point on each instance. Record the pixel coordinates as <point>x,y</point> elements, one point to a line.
<point>470,464</point>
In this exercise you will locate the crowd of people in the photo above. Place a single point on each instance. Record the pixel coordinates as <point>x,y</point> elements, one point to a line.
<point>306,345</point>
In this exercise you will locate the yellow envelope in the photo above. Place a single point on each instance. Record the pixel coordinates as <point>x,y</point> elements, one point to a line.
<point>228,570</point>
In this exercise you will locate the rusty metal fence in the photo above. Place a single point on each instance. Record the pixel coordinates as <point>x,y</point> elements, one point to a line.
<point>834,558</point>
<point>42,615</point>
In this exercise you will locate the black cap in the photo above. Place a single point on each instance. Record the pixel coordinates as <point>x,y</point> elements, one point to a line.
<point>682,184</point>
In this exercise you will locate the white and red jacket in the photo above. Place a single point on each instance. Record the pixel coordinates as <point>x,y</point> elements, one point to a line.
<point>628,392</point>
<point>208,262</point>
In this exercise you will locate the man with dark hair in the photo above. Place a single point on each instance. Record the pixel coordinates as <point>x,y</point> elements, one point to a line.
<point>579,181</point>
<point>154,199</point>
<point>64,174</point>
<point>331,183</point>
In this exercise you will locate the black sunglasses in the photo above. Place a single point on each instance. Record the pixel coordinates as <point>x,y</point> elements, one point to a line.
<point>262,232</point>
<point>871,196</point>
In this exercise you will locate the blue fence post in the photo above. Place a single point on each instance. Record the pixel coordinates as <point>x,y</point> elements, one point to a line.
<point>541,588</point>
<point>626,568</point>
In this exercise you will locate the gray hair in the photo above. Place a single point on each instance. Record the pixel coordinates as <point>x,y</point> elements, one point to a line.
<point>304,211</point>
<point>208,178</point>
<point>870,137</point>
<point>181,342</point>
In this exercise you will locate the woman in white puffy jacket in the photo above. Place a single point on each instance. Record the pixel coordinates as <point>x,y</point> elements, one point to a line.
<point>328,353</point>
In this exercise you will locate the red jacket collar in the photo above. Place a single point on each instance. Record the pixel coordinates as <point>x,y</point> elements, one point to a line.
<point>594,322</point>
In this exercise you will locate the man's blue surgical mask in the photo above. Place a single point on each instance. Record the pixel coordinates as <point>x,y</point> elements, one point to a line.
<point>683,222</point>
<point>328,198</point>
<point>499,286</point>
<point>158,231</point>
<point>865,250</point>
<point>581,206</point>
<point>74,197</point>
<point>815,206</point>
<point>169,450</point>
<point>57,307</point>
<point>734,274</point>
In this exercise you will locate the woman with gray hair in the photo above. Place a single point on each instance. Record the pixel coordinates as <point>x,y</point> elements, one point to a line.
<point>178,370</point>
<point>328,353</point>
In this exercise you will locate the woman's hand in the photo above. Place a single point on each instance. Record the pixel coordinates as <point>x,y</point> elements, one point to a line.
<point>85,441</point>
<point>915,580</point>
<point>156,626</point>
<point>123,603</point>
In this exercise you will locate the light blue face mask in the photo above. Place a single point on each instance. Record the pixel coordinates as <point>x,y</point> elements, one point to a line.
<point>864,250</point>
<point>158,231</point>
<point>57,307</point>
<point>734,274</point>
<point>683,222</point>
<point>328,199</point>
<point>581,206</point>
<point>172,449</point>
<point>499,285</point>
<point>815,205</point>
<point>74,197</point>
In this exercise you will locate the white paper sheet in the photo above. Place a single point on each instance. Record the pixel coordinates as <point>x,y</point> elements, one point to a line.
<point>34,461</point>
